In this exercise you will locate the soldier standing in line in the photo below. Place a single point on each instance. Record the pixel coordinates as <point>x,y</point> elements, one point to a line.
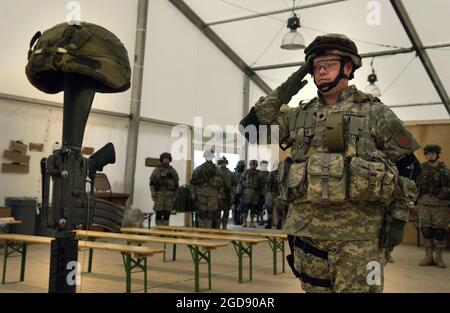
<point>263,177</point>
<point>163,186</point>
<point>433,201</point>
<point>227,194</point>
<point>250,193</point>
<point>237,206</point>
<point>206,185</point>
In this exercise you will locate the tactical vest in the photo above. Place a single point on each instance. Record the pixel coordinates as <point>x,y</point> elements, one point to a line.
<point>433,178</point>
<point>165,179</point>
<point>335,156</point>
<point>250,179</point>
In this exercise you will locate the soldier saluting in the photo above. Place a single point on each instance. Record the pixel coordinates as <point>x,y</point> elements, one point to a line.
<point>346,203</point>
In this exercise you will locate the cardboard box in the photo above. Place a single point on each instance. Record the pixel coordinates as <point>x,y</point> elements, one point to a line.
<point>36,146</point>
<point>18,146</point>
<point>87,150</point>
<point>5,212</point>
<point>16,157</point>
<point>15,168</point>
<point>152,162</point>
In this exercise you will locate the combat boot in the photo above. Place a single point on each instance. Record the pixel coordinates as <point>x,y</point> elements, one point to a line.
<point>252,220</point>
<point>280,224</point>
<point>428,260</point>
<point>244,218</point>
<point>438,258</point>
<point>269,225</point>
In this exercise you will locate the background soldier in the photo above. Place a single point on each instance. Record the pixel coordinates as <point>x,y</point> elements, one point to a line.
<point>227,194</point>
<point>250,193</point>
<point>206,184</point>
<point>237,207</point>
<point>433,185</point>
<point>263,178</point>
<point>338,225</point>
<point>163,186</point>
<point>273,200</point>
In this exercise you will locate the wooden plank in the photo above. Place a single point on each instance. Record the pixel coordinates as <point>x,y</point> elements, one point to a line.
<point>15,168</point>
<point>16,156</point>
<point>18,146</point>
<point>153,232</point>
<point>138,250</point>
<point>138,238</point>
<point>5,212</point>
<point>223,231</point>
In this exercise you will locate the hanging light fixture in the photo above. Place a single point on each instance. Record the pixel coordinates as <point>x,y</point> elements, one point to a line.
<point>293,40</point>
<point>372,88</point>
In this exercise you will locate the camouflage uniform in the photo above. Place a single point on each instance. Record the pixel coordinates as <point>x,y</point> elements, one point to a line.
<point>206,185</point>
<point>433,184</point>
<point>250,195</point>
<point>237,207</point>
<point>225,196</point>
<point>163,186</point>
<point>273,200</point>
<point>344,200</point>
<point>263,178</point>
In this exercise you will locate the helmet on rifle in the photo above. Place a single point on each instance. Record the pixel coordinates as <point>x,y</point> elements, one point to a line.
<point>86,49</point>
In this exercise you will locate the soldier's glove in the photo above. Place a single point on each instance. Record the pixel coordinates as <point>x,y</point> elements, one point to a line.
<point>293,84</point>
<point>391,233</point>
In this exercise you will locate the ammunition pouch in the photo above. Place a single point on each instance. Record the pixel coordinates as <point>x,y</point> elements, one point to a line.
<point>370,181</point>
<point>335,131</point>
<point>326,178</point>
<point>296,181</point>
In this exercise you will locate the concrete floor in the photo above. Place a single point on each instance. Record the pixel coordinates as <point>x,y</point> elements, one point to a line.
<point>108,273</point>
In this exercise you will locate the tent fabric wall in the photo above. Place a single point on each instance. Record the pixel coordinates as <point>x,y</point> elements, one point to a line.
<point>37,124</point>
<point>185,75</point>
<point>21,19</point>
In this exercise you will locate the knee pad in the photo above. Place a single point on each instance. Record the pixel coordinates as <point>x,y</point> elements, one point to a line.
<point>439,234</point>
<point>427,232</point>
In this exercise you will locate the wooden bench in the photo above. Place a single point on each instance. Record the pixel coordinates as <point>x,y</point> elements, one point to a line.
<point>200,249</point>
<point>276,240</point>
<point>242,245</point>
<point>18,244</point>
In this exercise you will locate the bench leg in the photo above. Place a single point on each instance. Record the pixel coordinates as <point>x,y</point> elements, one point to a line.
<point>23,262</point>
<point>5,260</point>
<point>174,252</point>
<point>241,251</point>
<point>145,275</point>
<point>164,253</point>
<point>128,272</point>
<point>276,246</point>
<point>197,257</point>
<point>91,255</point>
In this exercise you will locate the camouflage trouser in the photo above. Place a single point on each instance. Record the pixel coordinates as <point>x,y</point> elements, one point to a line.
<point>163,206</point>
<point>432,218</point>
<point>207,211</point>
<point>339,266</point>
<point>224,208</point>
<point>274,202</point>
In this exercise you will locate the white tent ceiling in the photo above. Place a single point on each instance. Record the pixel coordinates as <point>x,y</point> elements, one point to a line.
<point>402,77</point>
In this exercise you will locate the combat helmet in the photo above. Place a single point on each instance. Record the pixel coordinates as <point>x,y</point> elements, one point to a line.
<point>333,44</point>
<point>240,166</point>
<point>222,160</point>
<point>165,155</point>
<point>253,162</point>
<point>432,148</point>
<point>85,49</point>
